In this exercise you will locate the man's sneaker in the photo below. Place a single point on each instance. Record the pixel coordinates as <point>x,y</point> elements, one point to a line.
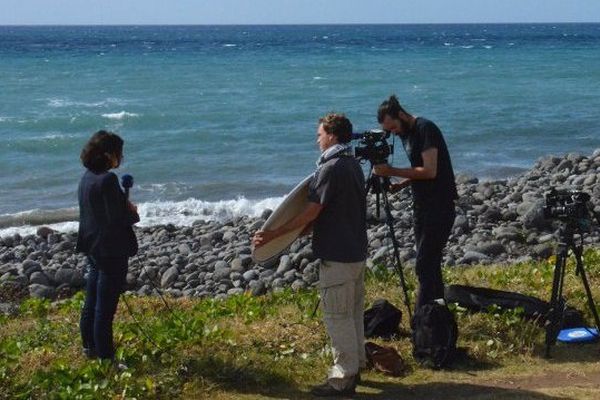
<point>89,353</point>
<point>120,366</point>
<point>326,390</point>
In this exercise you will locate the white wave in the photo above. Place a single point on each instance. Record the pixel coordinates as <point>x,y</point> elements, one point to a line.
<point>184,213</point>
<point>54,136</point>
<point>179,213</point>
<point>448,44</point>
<point>318,78</point>
<point>57,102</point>
<point>5,119</point>
<point>158,189</point>
<point>49,137</point>
<point>467,47</point>
<point>488,47</point>
<point>230,45</point>
<point>27,222</point>
<point>120,115</point>
<point>31,230</point>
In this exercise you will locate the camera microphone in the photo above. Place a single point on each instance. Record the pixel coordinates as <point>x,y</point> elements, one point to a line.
<point>127,183</point>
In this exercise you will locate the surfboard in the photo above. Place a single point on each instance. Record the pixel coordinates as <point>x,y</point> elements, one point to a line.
<point>293,204</point>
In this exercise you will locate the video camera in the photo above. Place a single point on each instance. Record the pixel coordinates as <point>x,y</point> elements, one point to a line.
<point>373,146</point>
<point>569,206</point>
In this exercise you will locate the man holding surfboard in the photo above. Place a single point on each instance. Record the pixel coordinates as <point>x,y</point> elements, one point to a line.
<point>336,211</point>
<point>431,178</point>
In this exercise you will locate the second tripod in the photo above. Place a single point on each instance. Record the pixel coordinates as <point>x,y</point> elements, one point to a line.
<point>567,241</point>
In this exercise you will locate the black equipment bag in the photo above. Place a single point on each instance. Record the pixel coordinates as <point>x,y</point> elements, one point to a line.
<point>382,320</point>
<point>434,335</point>
<point>481,299</point>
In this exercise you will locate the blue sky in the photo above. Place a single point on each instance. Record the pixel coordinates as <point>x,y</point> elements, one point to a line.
<point>294,11</point>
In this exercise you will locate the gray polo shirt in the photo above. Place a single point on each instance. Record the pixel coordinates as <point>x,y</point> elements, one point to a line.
<point>340,230</point>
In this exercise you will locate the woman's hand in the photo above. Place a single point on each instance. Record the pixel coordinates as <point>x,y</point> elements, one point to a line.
<point>132,207</point>
<point>263,237</point>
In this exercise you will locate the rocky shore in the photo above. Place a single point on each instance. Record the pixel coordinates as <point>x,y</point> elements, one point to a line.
<point>497,222</point>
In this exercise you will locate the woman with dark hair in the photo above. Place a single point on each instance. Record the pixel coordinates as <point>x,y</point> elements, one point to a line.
<point>106,236</point>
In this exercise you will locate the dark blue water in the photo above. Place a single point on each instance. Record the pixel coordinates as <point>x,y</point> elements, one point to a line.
<point>218,113</point>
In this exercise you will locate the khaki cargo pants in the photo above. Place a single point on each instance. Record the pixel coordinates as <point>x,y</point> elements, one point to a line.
<point>343,295</point>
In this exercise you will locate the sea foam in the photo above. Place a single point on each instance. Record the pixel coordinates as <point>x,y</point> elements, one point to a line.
<point>120,115</point>
<point>180,213</point>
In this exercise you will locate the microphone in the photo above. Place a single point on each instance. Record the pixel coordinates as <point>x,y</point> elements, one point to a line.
<point>127,183</point>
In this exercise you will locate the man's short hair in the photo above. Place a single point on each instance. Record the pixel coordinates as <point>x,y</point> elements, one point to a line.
<point>338,125</point>
<point>390,107</point>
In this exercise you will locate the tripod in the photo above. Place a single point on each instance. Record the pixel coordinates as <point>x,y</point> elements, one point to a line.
<point>380,186</point>
<point>557,302</point>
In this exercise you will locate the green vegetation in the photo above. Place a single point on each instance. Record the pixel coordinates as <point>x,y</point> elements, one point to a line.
<point>271,347</point>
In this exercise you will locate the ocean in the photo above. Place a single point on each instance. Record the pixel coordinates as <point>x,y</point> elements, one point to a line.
<point>220,121</point>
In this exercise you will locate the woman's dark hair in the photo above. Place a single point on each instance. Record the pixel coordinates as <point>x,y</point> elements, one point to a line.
<point>390,107</point>
<point>94,154</point>
<point>338,125</point>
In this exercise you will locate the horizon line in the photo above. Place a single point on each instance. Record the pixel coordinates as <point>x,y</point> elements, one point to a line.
<point>302,24</point>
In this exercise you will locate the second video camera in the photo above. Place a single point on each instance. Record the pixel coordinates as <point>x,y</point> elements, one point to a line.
<point>568,206</point>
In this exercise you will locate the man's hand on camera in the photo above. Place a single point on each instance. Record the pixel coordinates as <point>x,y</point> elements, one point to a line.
<point>262,237</point>
<point>382,170</point>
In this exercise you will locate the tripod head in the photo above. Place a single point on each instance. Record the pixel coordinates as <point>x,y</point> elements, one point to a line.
<point>377,185</point>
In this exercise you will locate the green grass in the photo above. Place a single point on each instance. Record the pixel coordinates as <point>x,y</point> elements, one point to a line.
<point>265,347</point>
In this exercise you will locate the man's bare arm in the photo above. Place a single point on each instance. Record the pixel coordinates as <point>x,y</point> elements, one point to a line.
<point>427,171</point>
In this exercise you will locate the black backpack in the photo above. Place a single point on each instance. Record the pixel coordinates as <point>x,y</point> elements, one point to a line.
<point>434,335</point>
<point>382,320</point>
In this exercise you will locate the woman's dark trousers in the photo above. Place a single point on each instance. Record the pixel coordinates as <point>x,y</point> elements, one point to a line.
<point>105,282</point>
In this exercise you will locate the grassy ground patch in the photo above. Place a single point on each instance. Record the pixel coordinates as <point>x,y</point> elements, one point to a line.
<point>270,347</point>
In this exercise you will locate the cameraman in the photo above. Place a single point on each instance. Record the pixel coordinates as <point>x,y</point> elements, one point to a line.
<point>107,239</point>
<point>433,188</point>
<point>337,211</point>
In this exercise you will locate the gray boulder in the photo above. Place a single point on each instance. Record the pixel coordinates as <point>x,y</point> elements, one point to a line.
<point>169,277</point>
<point>42,291</point>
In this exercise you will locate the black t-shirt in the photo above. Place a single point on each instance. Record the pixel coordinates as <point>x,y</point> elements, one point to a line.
<point>340,230</point>
<point>439,192</point>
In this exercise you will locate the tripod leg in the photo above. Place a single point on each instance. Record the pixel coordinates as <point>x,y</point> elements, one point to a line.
<point>578,250</point>
<point>397,264</point>
<point>556,309</point>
